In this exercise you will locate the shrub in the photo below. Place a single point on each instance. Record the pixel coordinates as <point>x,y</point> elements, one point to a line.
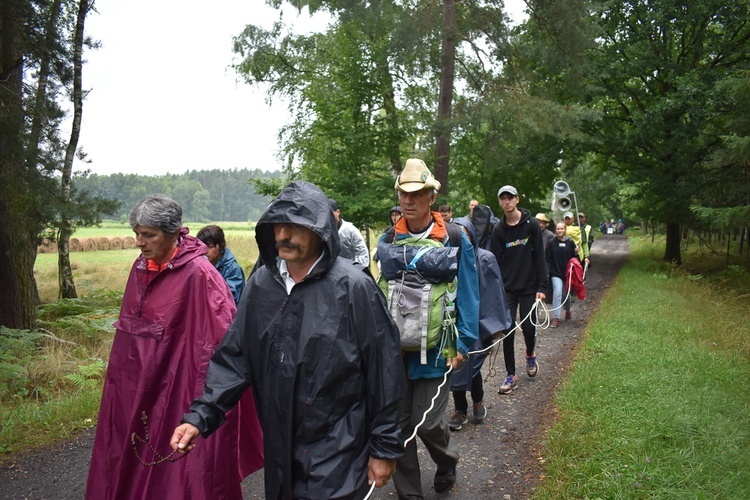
<point>16,350</point>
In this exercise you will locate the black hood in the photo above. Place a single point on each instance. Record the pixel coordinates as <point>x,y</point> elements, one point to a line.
<point>300,203</point>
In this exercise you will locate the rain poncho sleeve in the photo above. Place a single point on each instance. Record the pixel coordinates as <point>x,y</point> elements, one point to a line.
<point>353,245</point>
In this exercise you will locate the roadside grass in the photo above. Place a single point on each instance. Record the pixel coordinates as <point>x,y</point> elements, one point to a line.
<point>51,377</point>
<point>656,405</point>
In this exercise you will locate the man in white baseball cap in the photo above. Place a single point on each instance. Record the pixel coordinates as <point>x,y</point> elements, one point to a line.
<point>574,233</point>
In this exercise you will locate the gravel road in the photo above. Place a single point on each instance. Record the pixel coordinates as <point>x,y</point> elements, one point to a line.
<point>500,459</point>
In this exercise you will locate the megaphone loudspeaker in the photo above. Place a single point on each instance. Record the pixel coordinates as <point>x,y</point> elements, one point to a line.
<point>563,204</point>
<point>561,189</point>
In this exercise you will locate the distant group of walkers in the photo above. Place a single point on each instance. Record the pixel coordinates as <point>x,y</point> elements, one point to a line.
<point>312,369</point>
<point>612,227</point>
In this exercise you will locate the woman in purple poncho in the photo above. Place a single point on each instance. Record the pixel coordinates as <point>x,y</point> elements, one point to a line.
<point>175,311</point>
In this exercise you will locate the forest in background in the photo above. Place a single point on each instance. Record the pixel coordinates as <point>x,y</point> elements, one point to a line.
<point>640,106</point>
<point>205,195</point>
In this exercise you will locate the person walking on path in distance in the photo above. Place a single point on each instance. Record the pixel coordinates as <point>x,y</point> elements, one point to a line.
<point>559,253</point>
<point>519,249</point>
<point>417,190</point>
<point>574,233</point>
<point>223,259</point>
<point>395,214</point>
<point>314,341</point>
<point>547,235</point>
<point>446,212</point>
<point>353,245</point>
<point>175,311</point>
<point>588,231</point>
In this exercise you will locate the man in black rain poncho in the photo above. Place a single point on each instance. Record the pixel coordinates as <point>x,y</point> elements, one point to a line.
<point>314,340</point>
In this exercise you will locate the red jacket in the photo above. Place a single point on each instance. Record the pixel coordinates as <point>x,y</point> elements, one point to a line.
<point>574,278</point>
<point>170,323</point>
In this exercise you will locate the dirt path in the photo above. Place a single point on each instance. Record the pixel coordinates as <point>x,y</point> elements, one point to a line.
<point>499,459</point>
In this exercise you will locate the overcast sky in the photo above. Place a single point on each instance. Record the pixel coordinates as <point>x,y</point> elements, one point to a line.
<point>163,98</point>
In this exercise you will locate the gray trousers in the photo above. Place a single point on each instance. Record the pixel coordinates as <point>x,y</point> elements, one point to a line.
<point>434,433</point>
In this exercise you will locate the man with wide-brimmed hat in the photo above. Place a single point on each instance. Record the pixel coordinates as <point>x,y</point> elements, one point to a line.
<point>547,235</point>
<point>417,189</point>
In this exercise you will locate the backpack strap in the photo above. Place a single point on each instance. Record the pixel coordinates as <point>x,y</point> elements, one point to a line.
<point>390,233</point>
<point>454,236</point>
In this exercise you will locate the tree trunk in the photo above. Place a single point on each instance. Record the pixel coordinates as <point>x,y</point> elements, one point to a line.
<point>394,135</point>
<point>65,273</point>
<point>17,248</point>
<point>391,115</point>
<point>39,113</point>
<point>445,103</point>
<point>672,251</point>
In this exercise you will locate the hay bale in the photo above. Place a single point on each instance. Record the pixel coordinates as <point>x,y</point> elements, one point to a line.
<point>128,242</point>
<point>47,246</point>
<point>115,242</point>
<point>102,243</point>
<point>88,245</point>
<point>74,245</point>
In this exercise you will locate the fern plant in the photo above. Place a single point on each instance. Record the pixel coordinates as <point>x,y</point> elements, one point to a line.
<point>88,376</point>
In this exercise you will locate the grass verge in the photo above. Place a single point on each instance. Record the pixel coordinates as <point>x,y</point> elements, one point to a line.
<point>657,405</point>
<point>51,378</point>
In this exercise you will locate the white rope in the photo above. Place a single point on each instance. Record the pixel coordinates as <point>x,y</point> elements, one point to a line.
<point>424,417</point>
<point>372,488</point>
<point>432,405</point>
<point>517,327</point>
<point>545,322</point>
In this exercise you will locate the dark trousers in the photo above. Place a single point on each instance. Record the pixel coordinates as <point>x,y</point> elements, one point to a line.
<point>477,394</point>
<point>521,304</point>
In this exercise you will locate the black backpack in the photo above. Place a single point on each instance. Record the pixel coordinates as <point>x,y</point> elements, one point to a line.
<point>481,217</point>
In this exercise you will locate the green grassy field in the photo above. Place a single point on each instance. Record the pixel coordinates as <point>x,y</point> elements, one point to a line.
<point>113,228</point>
<point>108,269</point>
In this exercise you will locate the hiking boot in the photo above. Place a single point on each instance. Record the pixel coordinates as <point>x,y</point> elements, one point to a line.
<point>532,367</point>
<point>555,323</point>
<point>511,382</point>
<point>444,481</point>
<point>479,412</point>
<point>567,315</point>
<point>457,421</point>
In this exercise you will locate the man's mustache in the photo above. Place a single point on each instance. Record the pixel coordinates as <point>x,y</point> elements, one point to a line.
<point>287,244</point>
